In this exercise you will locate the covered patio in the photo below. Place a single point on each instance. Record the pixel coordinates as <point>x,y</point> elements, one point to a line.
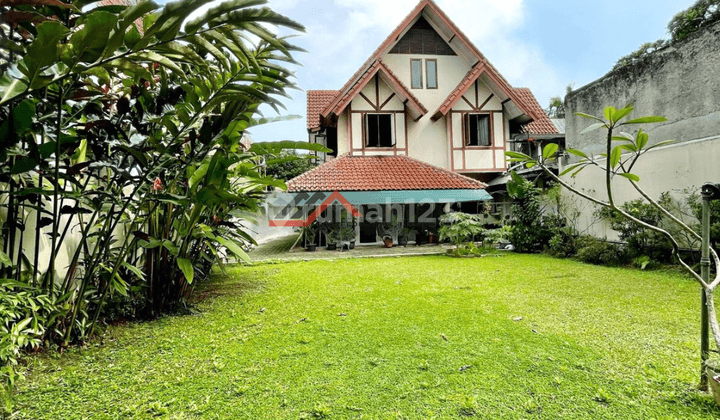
<point>367,200</point>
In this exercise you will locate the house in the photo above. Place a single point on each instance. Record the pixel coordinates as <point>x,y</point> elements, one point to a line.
<point>426,101</point>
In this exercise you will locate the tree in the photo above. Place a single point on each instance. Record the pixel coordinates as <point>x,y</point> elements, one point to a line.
<point>556,108</point>
<point>623,151</point>
<point>289,165</point>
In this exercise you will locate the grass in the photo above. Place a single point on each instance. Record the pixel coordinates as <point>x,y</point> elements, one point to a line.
<point>406,338</point>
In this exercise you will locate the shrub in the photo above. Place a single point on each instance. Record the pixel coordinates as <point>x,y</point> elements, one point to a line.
<point>527,232</point>
<point>640,240</point>
<point>460,228</point>
<point>597,251</point>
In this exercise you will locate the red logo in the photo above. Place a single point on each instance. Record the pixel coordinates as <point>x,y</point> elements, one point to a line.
<point>335,196</point>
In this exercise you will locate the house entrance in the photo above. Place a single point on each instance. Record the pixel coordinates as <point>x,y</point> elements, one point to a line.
<point>367,232</point>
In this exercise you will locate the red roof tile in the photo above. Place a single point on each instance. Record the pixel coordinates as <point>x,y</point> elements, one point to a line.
<point>542,123</point>
<point>317,101</point>
<point>380,173</point>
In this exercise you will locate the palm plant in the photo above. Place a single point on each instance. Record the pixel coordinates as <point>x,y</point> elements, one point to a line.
<point>126,138</point>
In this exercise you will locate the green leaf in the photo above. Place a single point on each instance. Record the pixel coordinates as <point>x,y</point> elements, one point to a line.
<point>593,127</point>
<point>621,113</point>
<point>629,147</point>
<point>592,117</point>
<point>218,11</point>
<point>615,156</point>
<point>11,87</point>
<point>5,261</point>
<point>234,248</point>
<point>630,176</point>
<point>578,153</point>
<point>187,269</point>
<point>518,155</point>
<point>609,111</point>
<point>646,120</point>
<point>24,165</point>
<point>550,150</point>
<point>43,52</point>
<point>572,168</point>
<point>662,143</point>
<point>140,275</point>
<point>275,147</point>
<point>641,139</point>
<point>89,42</point>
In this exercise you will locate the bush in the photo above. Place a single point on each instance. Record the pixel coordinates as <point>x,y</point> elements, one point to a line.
<point>527,232</point>
<point>640,240</point>
<point>597,251</point>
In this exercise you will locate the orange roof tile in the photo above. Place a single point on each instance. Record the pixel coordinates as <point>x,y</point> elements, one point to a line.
<point>317,101</point>
<point>542,123</point>
<point>380,173</point>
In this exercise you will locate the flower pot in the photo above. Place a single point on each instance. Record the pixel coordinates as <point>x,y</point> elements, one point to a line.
<point>388,242</point>
<point>433,239</point>
<point>712,368</point>
<point>346,246</point>
<point>331,247</point>
<point>311,248</point>
<point>402,240</point>
<point>352,244</point>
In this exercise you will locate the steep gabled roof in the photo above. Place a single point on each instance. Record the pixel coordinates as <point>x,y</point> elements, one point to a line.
<point>457,39</point>
<point>380,173</point>
<point>542,123</point>
<point>343,99</point>
<point>317,101</point>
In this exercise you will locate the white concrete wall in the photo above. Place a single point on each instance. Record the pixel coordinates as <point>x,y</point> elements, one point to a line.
<point>672,168</point>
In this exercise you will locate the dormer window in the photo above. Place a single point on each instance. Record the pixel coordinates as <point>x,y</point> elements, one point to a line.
<point>477,130</point>
<point>379,130</point>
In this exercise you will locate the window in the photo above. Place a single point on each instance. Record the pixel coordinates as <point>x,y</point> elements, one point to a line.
<point>379,130</point>
<point>431,74</point>
<point>416,66</point>
<point>477,130</point>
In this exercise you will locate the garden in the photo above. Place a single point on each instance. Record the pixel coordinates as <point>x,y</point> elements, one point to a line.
<point>518,336</point>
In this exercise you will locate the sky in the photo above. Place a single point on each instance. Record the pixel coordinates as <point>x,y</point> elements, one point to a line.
<point>541,44</point>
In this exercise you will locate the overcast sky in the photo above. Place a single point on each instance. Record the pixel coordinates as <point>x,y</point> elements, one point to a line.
<point>540,44</point>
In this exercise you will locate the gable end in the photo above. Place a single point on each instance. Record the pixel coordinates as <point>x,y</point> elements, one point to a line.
<point>422,39</point>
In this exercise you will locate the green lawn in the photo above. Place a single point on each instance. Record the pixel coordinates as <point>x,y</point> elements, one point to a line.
<point>404,338</point>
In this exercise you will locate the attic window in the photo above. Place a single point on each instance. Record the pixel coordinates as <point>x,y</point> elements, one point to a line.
<point>379,130</point>
<point>417,82</point>
<point>431,74</point>
<point>477,130</point>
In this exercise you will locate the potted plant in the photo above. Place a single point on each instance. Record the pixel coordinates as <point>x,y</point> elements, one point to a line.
<point>421,235</point>
<point>347,236</point>
<point>308,233</point>
<point>332,236</point>
<point>389,230</point>
<point>403,236</point>
<point>712,368</point>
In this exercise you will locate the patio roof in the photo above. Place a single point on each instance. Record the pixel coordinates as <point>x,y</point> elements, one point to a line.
<point>380,173</point>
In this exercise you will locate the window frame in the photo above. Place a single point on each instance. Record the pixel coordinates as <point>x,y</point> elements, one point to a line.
<point>466,126</point>
<point>427,73</point>
<point>366,131</point>
<point>412,79</point>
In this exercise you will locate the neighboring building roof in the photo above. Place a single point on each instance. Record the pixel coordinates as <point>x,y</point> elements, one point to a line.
<point>480,66</point>
<point>380,173</point>
<point>542,123</point>
<point>317,101</point>
<point>344,97</point>
<point>559,123</point>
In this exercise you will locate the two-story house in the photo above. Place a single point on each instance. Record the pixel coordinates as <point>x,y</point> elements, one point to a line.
<point>427,113</point>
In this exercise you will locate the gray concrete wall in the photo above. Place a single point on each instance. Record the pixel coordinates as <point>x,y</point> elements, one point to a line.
<point>681,83</point>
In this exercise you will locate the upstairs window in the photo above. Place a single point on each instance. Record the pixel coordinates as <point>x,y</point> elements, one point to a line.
<point>431,73</point>
<point>416,67</point>
<point>379,130</point>
<point>477,129</point>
